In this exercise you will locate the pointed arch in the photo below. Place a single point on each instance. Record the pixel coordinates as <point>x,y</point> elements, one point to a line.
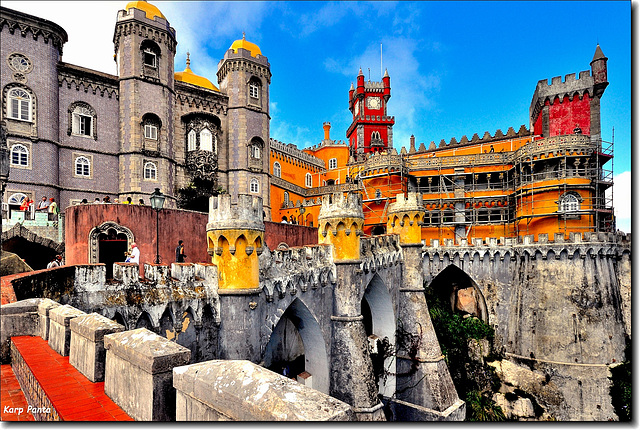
<point>450,281</point>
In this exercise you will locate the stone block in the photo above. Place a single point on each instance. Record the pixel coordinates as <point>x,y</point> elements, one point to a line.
<point>575,237</point>
<point>208,272</point>
<point>558,237</point>
<point>59,330</point>
<point>492,241</point>
<point>543,238</point>
<point>86,352</point>
<point>138,373</point>
<point>127,273</point>
<point>156,273</point>
<point>43,316</point>
<point>17,319</point>
<point>243,391</point>
<point>477,241</point>
<point>183,272</point>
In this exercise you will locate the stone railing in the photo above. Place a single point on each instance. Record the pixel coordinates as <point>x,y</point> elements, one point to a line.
<point>434,163</point>
<point>293,151</point>
<point>553,144</point>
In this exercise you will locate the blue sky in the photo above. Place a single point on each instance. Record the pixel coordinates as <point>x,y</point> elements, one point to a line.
<point>457,68</point>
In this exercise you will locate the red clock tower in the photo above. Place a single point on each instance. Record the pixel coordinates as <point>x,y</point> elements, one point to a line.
<point>371,129</point>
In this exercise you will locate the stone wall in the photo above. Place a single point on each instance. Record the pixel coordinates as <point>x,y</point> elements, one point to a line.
<point>291,234</point>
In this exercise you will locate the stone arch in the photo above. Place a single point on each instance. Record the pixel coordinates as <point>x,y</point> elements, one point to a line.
<point>298,331</point>
<point>380,321</point>
<point>36,250</point>
<point>94,236</point>
<point>144,321</point>
<point>448,285</point>
<point>188,334</point>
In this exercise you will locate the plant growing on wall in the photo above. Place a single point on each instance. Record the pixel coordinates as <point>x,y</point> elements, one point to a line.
<point>195,196</point>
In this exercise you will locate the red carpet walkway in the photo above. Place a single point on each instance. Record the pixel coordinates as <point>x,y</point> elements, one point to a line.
<point>71,393</point>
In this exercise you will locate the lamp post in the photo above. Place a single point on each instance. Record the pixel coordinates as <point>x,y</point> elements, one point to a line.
<point>157,202</point>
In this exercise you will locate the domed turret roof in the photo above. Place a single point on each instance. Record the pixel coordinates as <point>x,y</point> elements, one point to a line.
<point>243,43</point>
<point>147,7</point>
<point>187,76</point>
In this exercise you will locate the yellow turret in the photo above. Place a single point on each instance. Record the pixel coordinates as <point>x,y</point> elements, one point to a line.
<point>150,10</point>
<point>340,224</point>
<point>405,218</point>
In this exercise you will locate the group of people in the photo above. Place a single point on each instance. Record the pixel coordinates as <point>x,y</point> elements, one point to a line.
<point>134,255</point>
<point>107,199</point>
<point>44,205</point>
<point>292,220</point>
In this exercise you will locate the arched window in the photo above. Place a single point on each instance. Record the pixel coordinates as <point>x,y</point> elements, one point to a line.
<point>286,198</point>
<point>150,171</point>
<point>151,123</point>
<point>569,202</point>
<point>191,141</point>
<point>333,163</point>
<point>276,169</point>
<point>308,180</point>
<point>83,166</point>
<point>19,155</point>
<point>255,151</point>
<point>206,142</point>
<point>16,199</point>
<point>19,104</point>
<point>254,90</point>
<point>254,186</point>
<point>82,117</point>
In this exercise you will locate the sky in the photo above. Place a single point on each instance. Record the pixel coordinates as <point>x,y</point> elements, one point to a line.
<point>456,68</point>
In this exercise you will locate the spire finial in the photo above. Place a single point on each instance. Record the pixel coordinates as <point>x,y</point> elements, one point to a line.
<point>243,36</point>
<point>188,60</point>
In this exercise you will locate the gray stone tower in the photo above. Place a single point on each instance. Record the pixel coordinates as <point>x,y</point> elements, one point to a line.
<point>145,46</point>
<point>244,75</point>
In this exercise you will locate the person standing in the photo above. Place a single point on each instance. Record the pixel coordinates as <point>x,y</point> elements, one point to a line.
<point>134,256</point>
<point>180,255</point>
<point>53,209</point>
<point>43,205</point>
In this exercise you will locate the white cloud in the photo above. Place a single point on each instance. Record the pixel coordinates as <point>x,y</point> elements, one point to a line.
<point>622,200</point>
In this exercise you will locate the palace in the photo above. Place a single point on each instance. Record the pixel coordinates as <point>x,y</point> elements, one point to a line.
<point>76,133</point>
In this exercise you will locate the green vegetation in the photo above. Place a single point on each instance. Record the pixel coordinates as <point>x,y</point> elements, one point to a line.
<point>621,386</point>
<point>474,381</point>
<point>196,195</point>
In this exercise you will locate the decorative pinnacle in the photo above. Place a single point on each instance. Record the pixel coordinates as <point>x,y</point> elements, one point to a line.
<point>360,72</point>
<point>386,74</point>
<point>351,86</point>
<point>188,60</point>
<point>243,36</point>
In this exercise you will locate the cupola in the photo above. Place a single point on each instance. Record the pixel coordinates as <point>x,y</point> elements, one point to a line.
<point>243,43</point>
<point>188,77</point>
<point>150,10</point>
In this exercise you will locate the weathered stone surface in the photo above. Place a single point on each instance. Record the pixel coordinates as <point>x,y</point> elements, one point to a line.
<point>86,352</point>
<point>517,376</point>
<point>403,411</point>
<point>17,319</point>
<point>467,301</point>
<point>138,373</point>
<point>43,314</point>
<point>59,330</point>
<point>478,349</point>
<point>243,391</point>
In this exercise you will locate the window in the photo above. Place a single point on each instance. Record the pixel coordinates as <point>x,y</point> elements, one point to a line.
<point>308,180</point>
<point>19,155</point>
<point>149,58</point>
<point>286,198</point>
<point>333,163</point>
<point>191,141</point>
<point>569,203</point>
<point>206,143</point>
<point>150,132</point>
<point>16,199</point>
<point>150,171</point>
<point>254,186</point>
<point>82,121</point>
<point>276,169</point>
<point>19,106</point>
<point>254,90</point>
<point>255,151</point>
<point>83,166</point>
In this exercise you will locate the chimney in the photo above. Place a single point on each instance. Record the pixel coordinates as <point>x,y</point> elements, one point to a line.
<point>327,127</point>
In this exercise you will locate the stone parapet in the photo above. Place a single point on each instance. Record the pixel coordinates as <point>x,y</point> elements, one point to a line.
<point>44,307</point>
<point>17,319</point>
<point>59,328</point>
<point>226,215</point>
<point>86,352</point>
<point>379,252</point>
<point>239,390</point>
<point>138,373</point>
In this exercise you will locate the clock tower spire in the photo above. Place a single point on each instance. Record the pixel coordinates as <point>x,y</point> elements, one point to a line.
<point>371,129</point>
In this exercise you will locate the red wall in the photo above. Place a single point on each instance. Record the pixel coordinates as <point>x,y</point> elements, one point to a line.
<point>564,116</point>
<point>174,224</point>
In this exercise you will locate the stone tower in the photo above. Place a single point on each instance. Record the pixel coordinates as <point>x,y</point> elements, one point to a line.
<point>244,75</point>
<point>351,376</point>
<point>145,46</point>
<point>423,379</point>
<point>371,129</point>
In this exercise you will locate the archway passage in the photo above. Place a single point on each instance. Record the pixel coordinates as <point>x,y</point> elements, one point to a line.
<point>111,248</point>
<point>35,255</point>
<point>378,230</point>
<point>454,286</point>
<point>380,325</point>
<point>297,348</point>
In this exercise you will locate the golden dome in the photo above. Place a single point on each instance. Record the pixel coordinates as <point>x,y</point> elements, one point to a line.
<point>147,7</point>
<point>242,43</point>
<point>187,76</point>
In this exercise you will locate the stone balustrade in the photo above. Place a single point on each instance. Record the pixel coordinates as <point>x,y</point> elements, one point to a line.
<point>17,319</point>
<point>86,352</point>
<point>44,307</point>
<point>138,373</point>
<point>238,390</point>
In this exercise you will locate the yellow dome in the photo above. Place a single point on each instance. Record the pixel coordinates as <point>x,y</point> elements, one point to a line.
<point>189,77</point>
<point>147,7</point>
<point>242,43</point>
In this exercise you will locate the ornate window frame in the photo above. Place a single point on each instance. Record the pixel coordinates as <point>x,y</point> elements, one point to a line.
<point>9,98</point>
<point>569,205</point>
<point>74,114</point>
<point>254,186</point>
<point>94,236</point>
<point>27,148</point>
<point>78,157</point>
<point>151,167</point>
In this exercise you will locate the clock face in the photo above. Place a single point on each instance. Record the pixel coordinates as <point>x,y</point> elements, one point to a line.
<point>373,102</point>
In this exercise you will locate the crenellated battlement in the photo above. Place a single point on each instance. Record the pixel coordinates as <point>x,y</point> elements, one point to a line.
<point>293,151</point>
<point>410,203</point>
<point>380,252</point>
<point>570,87</point>
<point>339,205</point>
<point>246,213</point>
